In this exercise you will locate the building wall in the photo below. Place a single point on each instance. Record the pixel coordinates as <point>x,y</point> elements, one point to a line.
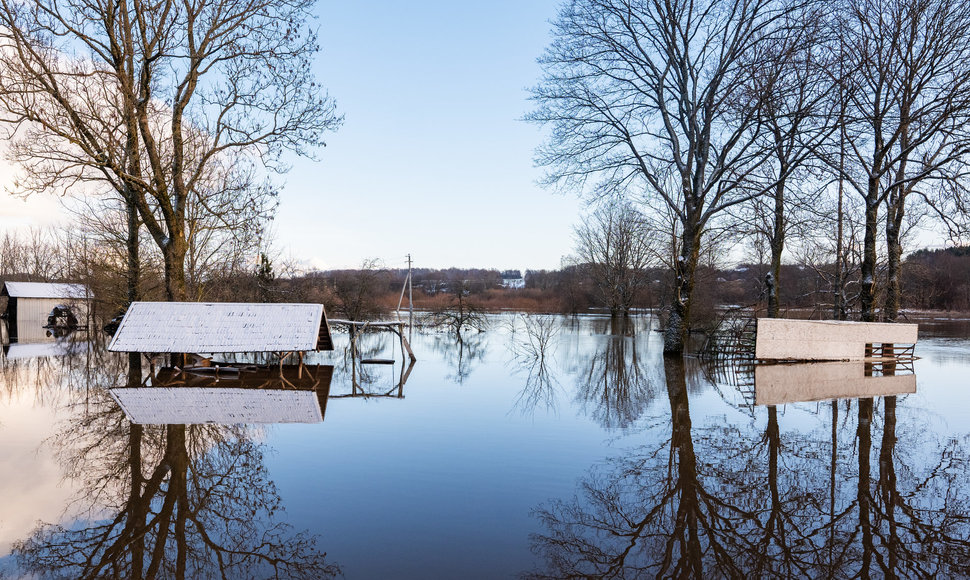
<point>31,315</point>
<point>39,308</point>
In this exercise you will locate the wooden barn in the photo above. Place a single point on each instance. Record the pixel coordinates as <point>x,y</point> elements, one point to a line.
<point>30,303</point>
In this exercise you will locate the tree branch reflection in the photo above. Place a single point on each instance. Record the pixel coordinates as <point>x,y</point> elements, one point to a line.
<point>614,387</point>
<point>533,350</point>
<point>726,501</point>
<point>182,501</point>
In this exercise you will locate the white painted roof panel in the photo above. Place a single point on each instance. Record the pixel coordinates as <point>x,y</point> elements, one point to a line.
<point>45,290</point>
<point>219,405</point>
<point>208,327</point>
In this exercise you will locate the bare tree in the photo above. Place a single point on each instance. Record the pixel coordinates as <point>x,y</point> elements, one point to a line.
<point>226,219</point>
<point>617,247</point>
<point>36,256</point>
<point>358,292</point>
<point>907,86</point>
<point>797,114</point>
<point>148,97</point>
<point>459,314</point>
<point>649,99</point>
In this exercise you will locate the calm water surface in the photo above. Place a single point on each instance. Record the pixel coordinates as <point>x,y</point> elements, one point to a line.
<point>575,449</point>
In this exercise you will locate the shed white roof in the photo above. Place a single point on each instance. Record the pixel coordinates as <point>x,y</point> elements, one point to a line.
<point>220,405</point>
<point>45,290</point>
<point>204,327</point>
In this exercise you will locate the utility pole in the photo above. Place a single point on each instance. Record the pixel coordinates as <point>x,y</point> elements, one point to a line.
<point>410,288</point>
<point>410,296</point>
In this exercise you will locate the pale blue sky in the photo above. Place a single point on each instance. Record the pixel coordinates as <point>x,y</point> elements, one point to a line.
<point>433,158</point>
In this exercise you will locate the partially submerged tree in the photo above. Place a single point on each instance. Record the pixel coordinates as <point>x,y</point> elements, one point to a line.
<point>907,85</point>
<point>460,314</point>
<point>616,246</point>
<point>357,293</point>
<point>648,99</point>
<point>149,96</point>
<point>796,112</point>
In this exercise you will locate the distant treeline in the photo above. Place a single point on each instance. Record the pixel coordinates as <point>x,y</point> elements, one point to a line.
<point>935,280</point>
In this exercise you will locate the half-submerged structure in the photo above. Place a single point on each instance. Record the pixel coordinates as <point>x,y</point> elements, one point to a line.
<point>209,393</point>
<point>782,339</point>
<point>30,304</point>
<point>844,360</point>
<point>222,327</point>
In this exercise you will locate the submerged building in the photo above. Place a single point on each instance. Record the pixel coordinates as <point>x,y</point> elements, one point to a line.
<point>29,304</point>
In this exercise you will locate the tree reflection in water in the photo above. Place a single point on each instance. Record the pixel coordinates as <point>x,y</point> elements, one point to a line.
<point>716,501</point>
<point>176,501</point>
<point>462,355</point>
<point>614,386</point>
<point>533,348</point>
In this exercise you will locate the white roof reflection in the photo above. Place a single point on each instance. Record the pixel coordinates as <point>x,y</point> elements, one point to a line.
<point>220,405</point>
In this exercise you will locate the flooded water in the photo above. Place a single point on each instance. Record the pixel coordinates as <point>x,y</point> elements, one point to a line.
<point>546,447</point>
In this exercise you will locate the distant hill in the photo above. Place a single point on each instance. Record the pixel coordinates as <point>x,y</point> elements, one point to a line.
<point>956,251</point>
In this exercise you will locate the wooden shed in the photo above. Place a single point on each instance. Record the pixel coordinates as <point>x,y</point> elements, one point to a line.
<point>29,304</point>
<point>222,327</point>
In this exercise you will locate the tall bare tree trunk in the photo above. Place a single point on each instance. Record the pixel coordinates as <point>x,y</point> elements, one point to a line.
<point>685,268</point>
<point>867,294</point>
<point>894,250</point>
<point>777,247</point>
<point>896,209</point>
<point>175,288</point>
<point>840,307</point>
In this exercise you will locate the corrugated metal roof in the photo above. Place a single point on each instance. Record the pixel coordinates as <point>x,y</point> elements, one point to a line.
<point>45,290</point>
<point>204,327</point>
<point>220,405</point>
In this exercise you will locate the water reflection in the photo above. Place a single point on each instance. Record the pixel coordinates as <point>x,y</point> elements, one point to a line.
<point>695,503</point>
<point>175,500</point>
<point>533,344</point>
<point>50,370</point>
<point>614,383</point>
<point>686,479</point>
<point>784,383</point>
<point>462,356</point>
<point>287,394</point>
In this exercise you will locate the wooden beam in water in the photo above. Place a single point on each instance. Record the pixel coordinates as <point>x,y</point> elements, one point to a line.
<point>826,340</point>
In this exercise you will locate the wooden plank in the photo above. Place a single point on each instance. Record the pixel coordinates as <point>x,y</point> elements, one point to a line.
<point>783,339</point>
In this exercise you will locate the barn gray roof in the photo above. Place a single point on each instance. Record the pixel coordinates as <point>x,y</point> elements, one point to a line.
<point>45,290</point>
<point>206,327</point>
<point>220,405</point>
